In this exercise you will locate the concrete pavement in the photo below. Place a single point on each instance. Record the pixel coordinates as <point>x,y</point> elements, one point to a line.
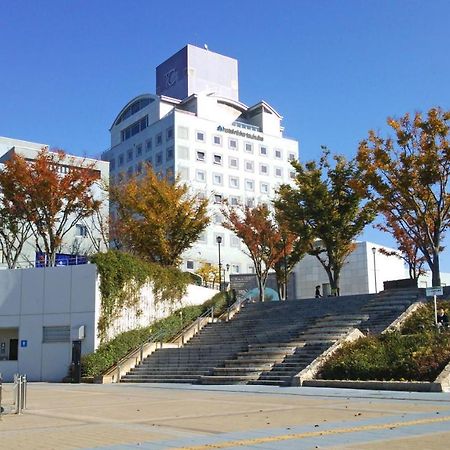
<point>152,416</point>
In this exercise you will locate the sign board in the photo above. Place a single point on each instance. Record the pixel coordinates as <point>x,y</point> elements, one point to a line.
<point>432,291</point>
<point>24,343</point>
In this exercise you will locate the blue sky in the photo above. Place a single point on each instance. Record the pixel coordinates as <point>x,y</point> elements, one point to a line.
<point>333,69</point>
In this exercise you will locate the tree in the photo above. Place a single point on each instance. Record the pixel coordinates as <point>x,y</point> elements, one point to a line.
<point>292,249</point>
<point>158,219</point>
<point>14,231</point>
<point>52,192</point>
<point>408,250</point>
<point>209,273</point>
<point>258,232</point>
<point>326,209</point>
<point>409,176</point>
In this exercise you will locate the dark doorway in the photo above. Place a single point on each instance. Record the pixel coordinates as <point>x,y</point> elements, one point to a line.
<point>76,361</point>
<point>13,349</point>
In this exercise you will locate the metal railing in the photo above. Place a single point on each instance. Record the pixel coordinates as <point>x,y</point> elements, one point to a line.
<point>233,309</point>
<point>209,313</point>
<point>19,395</point>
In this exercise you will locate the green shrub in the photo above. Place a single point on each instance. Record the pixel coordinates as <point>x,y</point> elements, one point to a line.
<point>393,356</point>
<point>111,352</point>
<point>121,277</point>
<point>423,318</point>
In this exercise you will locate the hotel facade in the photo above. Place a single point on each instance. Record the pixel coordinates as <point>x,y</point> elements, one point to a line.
<point>196,127</point>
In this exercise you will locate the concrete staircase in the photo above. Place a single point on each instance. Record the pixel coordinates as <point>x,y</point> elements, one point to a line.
<point>269,343</point>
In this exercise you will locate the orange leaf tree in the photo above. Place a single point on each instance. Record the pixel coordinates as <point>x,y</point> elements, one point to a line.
<point>409,175</point>
<point>260,235</point>
<point>156,218</point>
<point>408,250</point>
<point>52,193</point>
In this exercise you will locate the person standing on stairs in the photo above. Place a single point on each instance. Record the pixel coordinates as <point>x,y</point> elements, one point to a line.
<point>318,295</point>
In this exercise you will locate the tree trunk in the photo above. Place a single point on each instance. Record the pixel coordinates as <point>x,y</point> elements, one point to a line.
<point>436,276</point>
<point>261,289</point>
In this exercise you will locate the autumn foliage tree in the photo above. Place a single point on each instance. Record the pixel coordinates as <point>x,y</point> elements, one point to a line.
<point>292,249</point>
<point>409,175</point>
<point>326,208</point>
<point>408,250</point>
<point>156,218</point>
<point>50,192</point>
<point>255,227</point>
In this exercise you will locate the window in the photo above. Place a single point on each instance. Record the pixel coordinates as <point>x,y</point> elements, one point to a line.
<point>169,154</point>
<point>183,172</point>
<point>121,160</point>
<point>159,158</point>
<point>183,152</point>
<point>235,268</point>
<point>217,219</point>
<point>278,153</point>
<point>250,202</point>
<point>159,139</point>
<point>56,334</point>
<point>234,182</point>
<point>200,136</point>
<point>130,172</point>
<point>233,162</point>
<point>149,161</point>
<point>232,143</point>
<point>200,175</point>
<point>264,188</point>
<point>81,230</point>
<point>217,179</point>
<point>235,242</point>
<point>292,174</point>
<point>217,140</point>
<point>138,150</point>
<point>148,145</point>
<point>249,147</point>
<point>169,134</point>
<point>217,159</point>
<point>134,128</point>
<point>291,157</point>
<point>112,164</point>
<point>139,168</point>
<point>183,132</point>
<point>234,200</point>
<point>249,185</point>
<point>218,198</point>
<point>263,150</point>
<point>278,172</point>
<point>264,169</point>
<point>203,237</point>
<point>249,166</point>
<point>190,265</point>
<point>200,156</point>
<point>129,154</point>
<point>251,269</point>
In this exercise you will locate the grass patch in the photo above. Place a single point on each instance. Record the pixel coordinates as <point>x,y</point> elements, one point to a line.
<point>111,352</point>
<point>416,353</point>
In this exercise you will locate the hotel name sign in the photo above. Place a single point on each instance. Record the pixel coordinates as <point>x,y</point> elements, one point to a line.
<point>240,133</point>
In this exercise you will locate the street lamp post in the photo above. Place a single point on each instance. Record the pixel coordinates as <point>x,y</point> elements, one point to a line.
<point>374,250</point>
<point>219,241</point>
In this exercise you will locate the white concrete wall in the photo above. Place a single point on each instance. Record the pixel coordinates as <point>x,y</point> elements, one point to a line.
<point>149,310</point>
<point>33,298</point>
<point>358,273</point>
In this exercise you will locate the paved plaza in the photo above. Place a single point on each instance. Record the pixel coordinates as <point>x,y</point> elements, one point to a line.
<point>155,416</point>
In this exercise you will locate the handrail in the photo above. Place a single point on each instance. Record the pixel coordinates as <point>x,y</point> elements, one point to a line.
<point>235,306</point>
<point>156,338</point>
<point>208,313</point>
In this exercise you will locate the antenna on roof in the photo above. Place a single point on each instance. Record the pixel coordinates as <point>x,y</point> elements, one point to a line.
<point>206,47</point>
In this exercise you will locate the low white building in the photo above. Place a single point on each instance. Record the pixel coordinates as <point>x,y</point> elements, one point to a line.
<point>86,236</point>
<point>44,310</point>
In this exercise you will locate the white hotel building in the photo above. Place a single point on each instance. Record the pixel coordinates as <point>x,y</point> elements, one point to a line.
<point>196,127</point>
